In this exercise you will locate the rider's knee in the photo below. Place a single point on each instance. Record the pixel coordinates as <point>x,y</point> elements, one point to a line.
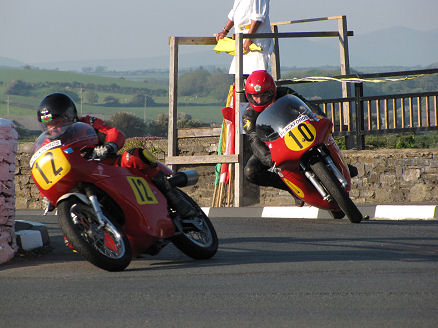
<point>147,157</point>
<point>250,173</point>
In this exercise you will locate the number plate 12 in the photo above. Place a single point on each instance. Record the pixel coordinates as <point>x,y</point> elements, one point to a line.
<point>50,167</point>
<point>142,191</point>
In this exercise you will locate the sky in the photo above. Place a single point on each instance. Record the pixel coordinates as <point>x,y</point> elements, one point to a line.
<point>38,31</point>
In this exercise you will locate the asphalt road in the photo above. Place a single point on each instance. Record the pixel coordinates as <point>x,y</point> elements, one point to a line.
<point>267,273</point>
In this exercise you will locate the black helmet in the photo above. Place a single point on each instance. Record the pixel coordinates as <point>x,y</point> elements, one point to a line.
<point>57,105</point>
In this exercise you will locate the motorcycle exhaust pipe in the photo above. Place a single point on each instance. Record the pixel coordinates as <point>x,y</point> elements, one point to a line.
<point>184,178</point>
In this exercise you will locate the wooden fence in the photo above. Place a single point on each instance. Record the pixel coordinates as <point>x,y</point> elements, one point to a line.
<point>392,113</point>
<point>397,113</point>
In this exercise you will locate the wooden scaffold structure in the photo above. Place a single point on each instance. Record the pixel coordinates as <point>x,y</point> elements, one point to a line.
<point>233,188</point>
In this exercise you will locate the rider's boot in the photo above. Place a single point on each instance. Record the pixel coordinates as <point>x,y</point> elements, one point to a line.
<point>175,200</point>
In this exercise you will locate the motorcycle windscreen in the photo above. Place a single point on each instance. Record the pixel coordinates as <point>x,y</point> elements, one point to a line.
<point>65,135</point>
<point>276,119</point>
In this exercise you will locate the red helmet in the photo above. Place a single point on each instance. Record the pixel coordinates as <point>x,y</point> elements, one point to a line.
<point>260,90</point>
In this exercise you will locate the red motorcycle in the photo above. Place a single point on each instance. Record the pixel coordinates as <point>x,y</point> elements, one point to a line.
<point>111,214</point>
<point>306,156</point>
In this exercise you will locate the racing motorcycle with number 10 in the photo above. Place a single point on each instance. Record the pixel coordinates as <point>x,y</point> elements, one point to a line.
<point>306,156</point>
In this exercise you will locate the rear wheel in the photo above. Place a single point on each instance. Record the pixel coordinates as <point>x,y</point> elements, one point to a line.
<point>335,189</point>
<point>198,237</point>
<point>107,247</point>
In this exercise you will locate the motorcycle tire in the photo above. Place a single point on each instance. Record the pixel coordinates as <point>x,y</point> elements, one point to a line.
<point>106,248</point>
<point>335,189</point>
<point>198,238</point>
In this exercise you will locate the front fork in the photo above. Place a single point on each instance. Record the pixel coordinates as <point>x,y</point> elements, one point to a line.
<point>101,218</point>
<point>316,183</point>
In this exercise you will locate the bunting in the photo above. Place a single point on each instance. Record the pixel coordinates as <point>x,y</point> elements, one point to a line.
<point>225,147</point>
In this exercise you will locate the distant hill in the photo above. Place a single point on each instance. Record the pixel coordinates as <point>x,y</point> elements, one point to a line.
<point>8,62</point>
<point>396,46</point>
<point>186,60</point>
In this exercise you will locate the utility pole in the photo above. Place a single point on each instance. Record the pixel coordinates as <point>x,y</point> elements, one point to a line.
<point>144,111</point>
<point>81,100</point>
<point>7,114</point>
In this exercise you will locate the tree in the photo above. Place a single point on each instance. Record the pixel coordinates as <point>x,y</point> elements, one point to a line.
<point>129,124</point>
<point>158,127</point>
<point>19,88</point>
<point>100,69</point>
<point>111,101</point>
<point>91,97</point>
<point>139,99</point>
<point>217,85</point>
<point>193,83</point>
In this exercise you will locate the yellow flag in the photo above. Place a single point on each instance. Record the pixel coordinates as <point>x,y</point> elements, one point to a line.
<point>227,45</point>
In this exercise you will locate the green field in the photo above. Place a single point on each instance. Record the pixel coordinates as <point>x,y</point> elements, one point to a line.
<point>44,82</point>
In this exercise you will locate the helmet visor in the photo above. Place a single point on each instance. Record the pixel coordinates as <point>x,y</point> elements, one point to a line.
<point>261,98</point>
<point>54,123</point>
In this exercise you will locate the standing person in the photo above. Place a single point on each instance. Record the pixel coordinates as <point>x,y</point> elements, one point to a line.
<point>57,110</point>
<point>250,16</point>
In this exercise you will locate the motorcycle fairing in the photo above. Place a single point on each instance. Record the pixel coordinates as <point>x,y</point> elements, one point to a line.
<point>299,139</point>
<point>301,187</point>
<point>151,217</point>
<point>50,167</point>
<point>141,190</point>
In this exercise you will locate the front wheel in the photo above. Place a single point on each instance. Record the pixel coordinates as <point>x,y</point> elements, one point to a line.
<point>197,237</point>
<point>106,247</point>
<point>335,189</point>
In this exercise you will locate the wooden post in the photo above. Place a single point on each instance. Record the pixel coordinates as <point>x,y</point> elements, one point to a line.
<point>360,137</point>
<point>427,111</point>
<point>172,143</point>
<point>420,119</point>
<point>275,57</point>
<point>436,110</point>
<point>402,104</point>
<point>238,175</point>
<point>345,70</point>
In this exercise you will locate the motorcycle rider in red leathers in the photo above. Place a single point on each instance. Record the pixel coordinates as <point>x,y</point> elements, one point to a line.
<point>58,109</point>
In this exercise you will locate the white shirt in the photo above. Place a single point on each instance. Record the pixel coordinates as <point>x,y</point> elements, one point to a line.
<point>241,14</point>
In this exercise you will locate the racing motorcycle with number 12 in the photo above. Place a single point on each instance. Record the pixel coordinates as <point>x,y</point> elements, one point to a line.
<point>111,214</point>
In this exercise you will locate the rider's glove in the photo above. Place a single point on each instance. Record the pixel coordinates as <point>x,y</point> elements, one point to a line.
<point>47,205</point>
<point>274,169</point>
<point>102,152</point>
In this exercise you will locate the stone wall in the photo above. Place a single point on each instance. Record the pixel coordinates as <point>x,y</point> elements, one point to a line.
<point>8,151</point>
<point>386,176</point>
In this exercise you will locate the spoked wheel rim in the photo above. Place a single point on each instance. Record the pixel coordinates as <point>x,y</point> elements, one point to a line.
<point>106,240</point>
<point>197,231</point>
